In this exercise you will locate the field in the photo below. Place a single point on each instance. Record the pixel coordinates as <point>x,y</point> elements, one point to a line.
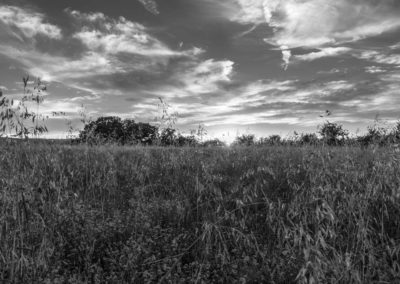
<point>108,214</point>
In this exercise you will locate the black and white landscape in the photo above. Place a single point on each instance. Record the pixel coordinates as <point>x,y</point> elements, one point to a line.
<point>199,141</point>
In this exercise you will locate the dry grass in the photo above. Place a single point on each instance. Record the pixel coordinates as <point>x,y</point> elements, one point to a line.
<point>74,214</point>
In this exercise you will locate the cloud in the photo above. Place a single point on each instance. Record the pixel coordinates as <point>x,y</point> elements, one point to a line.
<point>116,51</point>
<point>380,57</point>
<point>204,77</point>
<point>395,46</point>
<point>58,68</point>
<point>190,88</point>
<point>374,69</point>
<point>384,100</point>
<point>319,23</point>
<point>151,6</point>
<point>196,78</point>
<point>112,36</point>
<point>333,71</point>
<point>29,23</point>
<point>269,102</point>
<point>313,23</point>
<point>121,61</point>
<point>323,52</point>
<point>282,102</point>
<point>250,12</point>
<point>286,55</point>
<point>67,106</point>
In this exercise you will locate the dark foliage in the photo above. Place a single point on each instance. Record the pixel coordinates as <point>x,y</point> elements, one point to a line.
<point>168,137</point>
<point>214,143</point>
<point>333,133</point>
<point>271,140</point>
<point>245,140</point>
<point>113,129</point>
<point>380,136</point>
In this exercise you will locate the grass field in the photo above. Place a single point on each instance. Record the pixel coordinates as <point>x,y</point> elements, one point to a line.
<point>77,214</point>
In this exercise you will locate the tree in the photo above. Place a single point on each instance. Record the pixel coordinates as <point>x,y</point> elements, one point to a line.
<point>214,143</point>
<point>245,140</point>
<point>272,140</point>
<point>189,140</point>
<point>147,134</point>
<point>104,129</point>
<point>308,139</point>
<point>130,131</point>
<point>168,137</point>
<point>113,129</point>
<point>375,135</point>
<point>333,133</point>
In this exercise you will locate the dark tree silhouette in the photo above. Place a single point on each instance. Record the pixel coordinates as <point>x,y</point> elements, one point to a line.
<point>146,133</point>
<point>168,137</point>
<point>107,128</point>
<point>245,140</point>
<point>213,143</point>
<point>333,133</point>
<point>113,129</point>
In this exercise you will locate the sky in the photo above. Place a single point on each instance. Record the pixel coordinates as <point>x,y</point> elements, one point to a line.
<point>233,66</point>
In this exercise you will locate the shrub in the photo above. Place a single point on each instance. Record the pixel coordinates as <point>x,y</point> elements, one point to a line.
<point>271,140</point>
<point>244,140</point>
<point>113,129</point>
<point>213,143</point>
<point>309,139</point>
<point>333,133</point>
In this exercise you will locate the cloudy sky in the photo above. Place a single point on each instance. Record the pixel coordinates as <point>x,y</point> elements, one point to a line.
<point>235,66</point>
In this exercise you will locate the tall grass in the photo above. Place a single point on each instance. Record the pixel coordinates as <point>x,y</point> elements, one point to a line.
<point>78,214</point>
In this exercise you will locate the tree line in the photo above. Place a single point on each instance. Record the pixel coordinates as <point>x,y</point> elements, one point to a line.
<point>112,129</point>
<point>17,119</point>
<point>331,134</point>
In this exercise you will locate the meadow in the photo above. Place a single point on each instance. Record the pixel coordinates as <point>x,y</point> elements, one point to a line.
<point>270,214</point>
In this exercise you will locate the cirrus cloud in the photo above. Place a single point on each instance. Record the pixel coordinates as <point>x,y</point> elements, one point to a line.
<point>323,52</point>
<point>112,36</point>
<point>318,23</point>
<point>151,6</point>
<point>27,22</point>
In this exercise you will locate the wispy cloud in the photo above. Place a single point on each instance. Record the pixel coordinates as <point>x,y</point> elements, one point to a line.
<point>269,102</point>
<point>103,34</point>
<point>395,46</point>
<point>323,52</point>
<point>204,77</point>
<point>250,12</point>
<point>319,23</point>
<point>374,69</point>
<point>151,6</point>
<point>294,102</point>
<point>380,57</point>
<point>57,68</point>
<point>28,23</point>
<point>113,46</point>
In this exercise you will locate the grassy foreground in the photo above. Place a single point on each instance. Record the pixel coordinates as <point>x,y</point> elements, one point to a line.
<point>75,214</point>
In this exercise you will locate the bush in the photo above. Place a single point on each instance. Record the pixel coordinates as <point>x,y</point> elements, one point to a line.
<point>271,140</point>
<point>309,139</point>
<point>245,140</point>
<point>113,129</point>
<point>213,143</point>
<point>333,133</point>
